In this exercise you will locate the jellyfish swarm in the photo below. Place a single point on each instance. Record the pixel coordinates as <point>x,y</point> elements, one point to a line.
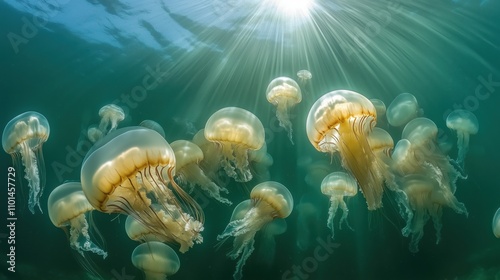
<point>156,260</point>
<point>110,115</point>
<point>402,109</point>
<point>235,131</point>
<point>284,93</point>
<point>338,185</point>
<point>68,207</point>
<point>187,157</point>
<point>268,201</point>
<point>122,173</point>
<point>23,138</point>
<point>464,123</point>
<point>340,121</point>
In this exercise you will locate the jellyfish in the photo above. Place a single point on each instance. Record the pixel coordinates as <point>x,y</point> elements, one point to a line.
<point>94,134</point>
<point>402,109</point>
<point>138,232</point>
<point>156,260</point>
<point>154,126</point>
<point>340,121</point>
<point>267,247</point>
<point>464,123</point>
<point>68,208</point>
<point>338,185</point>
<point>424,199</point>
<point>260,161</point>
<point>235,131</point>
<point>382,145</point>
<point>22,138</point>
<point>122,173</point>
<point>268,201</point>
<point>379,107</point>
<point>496,224</point>
<point>284,93</point>
<point>304,76</point>
<point>187,157</point>
<point>110,115</point>
<point>308,219</point>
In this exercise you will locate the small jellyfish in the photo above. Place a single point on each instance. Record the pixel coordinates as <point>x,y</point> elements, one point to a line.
<point>304,76</point>
<point>464,123</point>
<point>156,260</point>
<point>187,157</point>
<point>268,201</point>
<point>338,185</point>
<point>267,247</point>
<point>110,115</point>
<point>284,93</point>
<point>154,126</point>
<point>260,161</point>
<point>340,121</point>
<point>212,158</point>
<point>402,109</point>
<point>94,134</point>
<point>23,138</point>
<point>68,208</point>
<point>122,173</point>
<point>496,224</point>
<point>235,131</point>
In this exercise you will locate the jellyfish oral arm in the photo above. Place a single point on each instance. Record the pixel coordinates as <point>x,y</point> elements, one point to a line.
<point>463,147</point>
<point>30,164</point>
<point>80,238</point>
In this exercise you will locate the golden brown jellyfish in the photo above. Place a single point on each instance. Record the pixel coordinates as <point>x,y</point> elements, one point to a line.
<point>304,76</point>
<point>187,157</point>
<point>156,260</point>
<point>268,201</point>
<point>22,138</point>
<point>424,199</point>
<point>284,93</point>
<point>154,126</point>
<point>402,109</point>
<point>340,121</point>
<point>235,131</point>
<point>495,225</point>
<point>68,208</point>
<point>110,115</point>
<point>464,123</point>
<point>338,185</point>
<point>122,173</point>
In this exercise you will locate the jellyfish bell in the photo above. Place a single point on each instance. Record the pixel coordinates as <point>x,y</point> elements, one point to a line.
<point>156,260</point>
<point>340,121</point>
<point>154,126</point>
<point>284,93</point>
<point>465,123</point>
<point>402,109</point>
<point>235,131</point>
<point>268,201</point>
<point>187,156</point>
<point>111,115</point>
<point>68,207</point>
<point>338,185</point>
<point>94,134</point>
<point>122,173</point>
<point>22,138</point>
<point>304,76</point>
<point>138,232</point>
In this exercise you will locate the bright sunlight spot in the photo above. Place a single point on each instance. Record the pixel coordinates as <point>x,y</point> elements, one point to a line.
<point>294,7</point>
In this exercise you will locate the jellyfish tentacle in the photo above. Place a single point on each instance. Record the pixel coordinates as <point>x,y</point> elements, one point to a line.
<point>31,173</point>
<point>245,250</point>
<point>345,213</point>
<point>80,238</point>
<point>283,117</point>
<point>240,160</point>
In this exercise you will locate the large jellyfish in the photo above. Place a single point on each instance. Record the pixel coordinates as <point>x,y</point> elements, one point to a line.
<point>122,173</point>
<point>402,109</point>
<point>236,131</point>
<point>425,199</point>
<point>284,93</point>
<point>340,121</point>
<point>110,115</point>
<point>495,225</point>
<point>464,123</point>
<point>187,157</point>
<point>267,247</point>
<point>68,208</point>
<point>269,200</point>
<point>156,260</point>
<point>338,185</point>
<point>23,138</point>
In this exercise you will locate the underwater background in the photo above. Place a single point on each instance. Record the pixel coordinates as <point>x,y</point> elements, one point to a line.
<point>66,59</point>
